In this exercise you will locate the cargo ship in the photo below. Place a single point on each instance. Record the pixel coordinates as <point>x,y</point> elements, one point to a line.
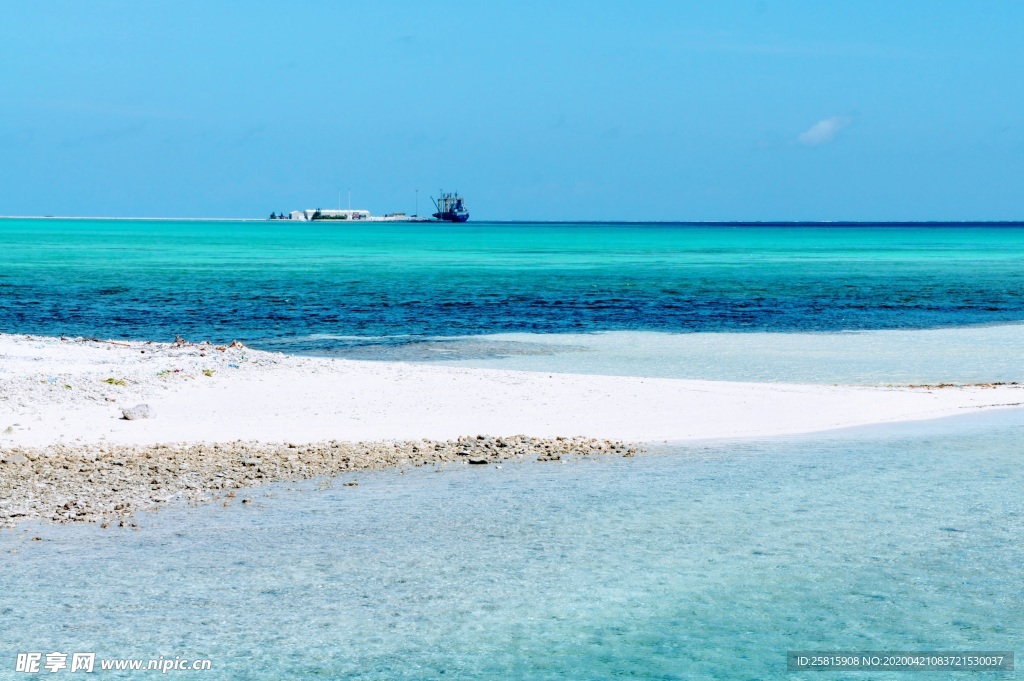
<point>450,208</point>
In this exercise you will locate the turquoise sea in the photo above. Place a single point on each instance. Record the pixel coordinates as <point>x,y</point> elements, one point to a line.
<point>705,561</point>
<point>708,560</point>
<point>323,287</point>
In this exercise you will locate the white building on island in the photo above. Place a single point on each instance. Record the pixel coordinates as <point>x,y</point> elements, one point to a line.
<point>330,214</point>
<point>347,214</point>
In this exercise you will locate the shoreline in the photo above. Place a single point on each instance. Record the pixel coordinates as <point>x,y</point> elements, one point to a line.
<point>75,392</point>
<point>101,217</point>
<point>107,484</point>
<point>210,420</point>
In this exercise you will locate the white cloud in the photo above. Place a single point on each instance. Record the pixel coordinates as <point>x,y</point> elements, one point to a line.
<point>824,130</point>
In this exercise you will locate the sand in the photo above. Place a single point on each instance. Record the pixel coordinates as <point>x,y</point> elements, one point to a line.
<point>216,420</point>
<point>74,391</point>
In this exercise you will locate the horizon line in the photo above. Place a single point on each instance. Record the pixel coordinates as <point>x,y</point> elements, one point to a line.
<point>823,223</point>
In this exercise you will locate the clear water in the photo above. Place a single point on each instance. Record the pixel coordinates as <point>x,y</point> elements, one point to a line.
<point>976,354</point>
<point>706,561</point>
<point>318,287</point>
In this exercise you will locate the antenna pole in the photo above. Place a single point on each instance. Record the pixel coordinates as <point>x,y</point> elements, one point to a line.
<point>350,198</point>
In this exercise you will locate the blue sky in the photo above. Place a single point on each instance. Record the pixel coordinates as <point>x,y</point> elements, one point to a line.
<point>595,110</point>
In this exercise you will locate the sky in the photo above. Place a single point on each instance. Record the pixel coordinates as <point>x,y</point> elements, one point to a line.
<point>639,110</point>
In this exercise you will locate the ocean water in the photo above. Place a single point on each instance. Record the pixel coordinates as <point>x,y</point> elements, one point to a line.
<point>708,560</point>
<point>704,561</point>
<point>332,288</point>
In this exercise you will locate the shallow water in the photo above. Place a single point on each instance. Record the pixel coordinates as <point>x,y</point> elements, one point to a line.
<point>979,354</point>
<point>704,561</point>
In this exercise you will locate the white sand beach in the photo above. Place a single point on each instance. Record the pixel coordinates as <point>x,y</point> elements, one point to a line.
<point>74,391</point>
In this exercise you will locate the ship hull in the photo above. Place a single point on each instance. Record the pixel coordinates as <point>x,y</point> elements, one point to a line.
<point>452,217</point>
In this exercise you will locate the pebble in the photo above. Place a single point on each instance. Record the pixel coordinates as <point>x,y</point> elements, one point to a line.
<point>106,483</point>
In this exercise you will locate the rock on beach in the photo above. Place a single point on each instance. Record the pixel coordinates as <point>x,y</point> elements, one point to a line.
<point>139,411</point>
<point>103,483</point>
